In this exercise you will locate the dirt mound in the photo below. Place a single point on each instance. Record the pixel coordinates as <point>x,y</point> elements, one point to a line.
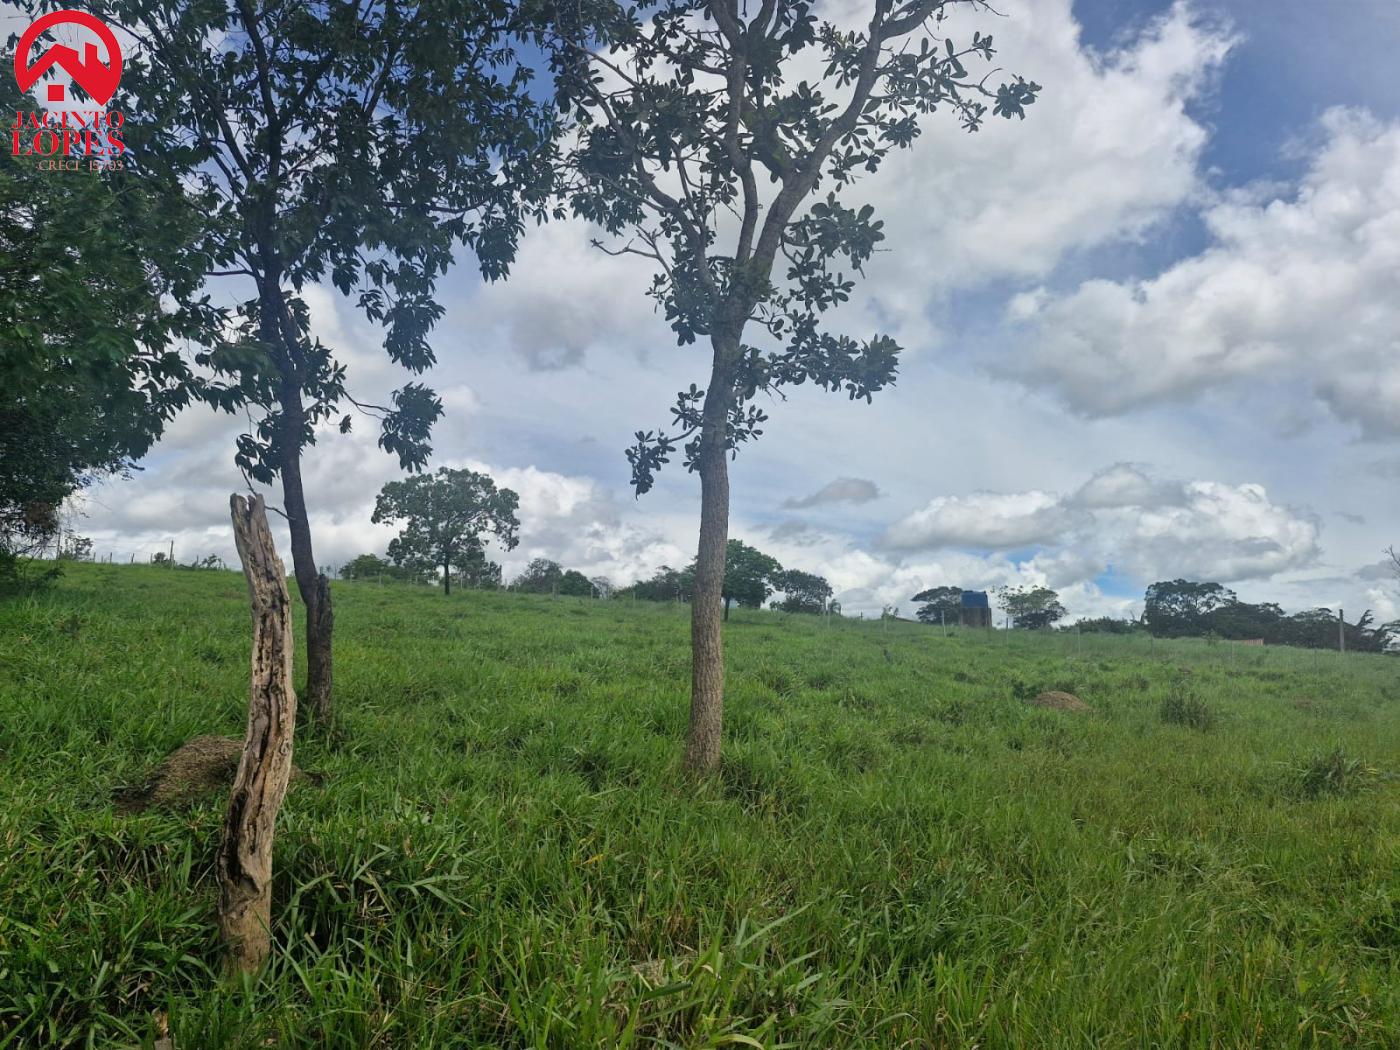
<point>200,766</point>
<point>1057,701</point>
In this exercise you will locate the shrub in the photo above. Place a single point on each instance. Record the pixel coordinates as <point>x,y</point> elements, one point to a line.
<point>1184,707</point>
<point>1334,773</point>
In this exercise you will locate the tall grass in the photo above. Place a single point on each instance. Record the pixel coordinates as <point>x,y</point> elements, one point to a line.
<point>504,853</point>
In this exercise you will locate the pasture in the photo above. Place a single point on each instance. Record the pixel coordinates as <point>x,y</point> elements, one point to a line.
<point>501,851</point>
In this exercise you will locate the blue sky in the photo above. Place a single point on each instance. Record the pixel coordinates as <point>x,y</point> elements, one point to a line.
<point>1149,333</point>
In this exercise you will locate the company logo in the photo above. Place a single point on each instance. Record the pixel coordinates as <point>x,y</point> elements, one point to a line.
<point>59,137</point>
<point>98,79</point>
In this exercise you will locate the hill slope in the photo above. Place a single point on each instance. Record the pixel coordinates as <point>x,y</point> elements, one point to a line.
<point>901,851</point>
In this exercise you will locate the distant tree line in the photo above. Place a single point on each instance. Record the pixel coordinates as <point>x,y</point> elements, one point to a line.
<point>449,513</point>
<point>1186,608</point>
<point>1192,609</point>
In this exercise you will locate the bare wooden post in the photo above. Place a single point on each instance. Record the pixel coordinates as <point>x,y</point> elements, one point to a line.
<point>245,854</point>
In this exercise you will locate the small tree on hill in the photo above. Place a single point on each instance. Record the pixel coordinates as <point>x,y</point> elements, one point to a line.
<point>575,584</point>
<point>354,144</point>
<point>940,605</point>
<point>803,592</point>
<point>541,576</point>
<point>1030,608</point>
<point>478,571</point>
<point>446,517</point>
<point>750,576</point>
<point>1174,608</point>
<point>721,138</point>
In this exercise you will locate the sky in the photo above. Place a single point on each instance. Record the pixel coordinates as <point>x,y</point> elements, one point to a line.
<point>1150,332</point>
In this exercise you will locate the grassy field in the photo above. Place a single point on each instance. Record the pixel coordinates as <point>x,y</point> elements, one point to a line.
<point>503,853</point>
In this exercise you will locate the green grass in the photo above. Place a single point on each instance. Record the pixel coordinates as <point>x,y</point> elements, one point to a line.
<point>899,853</point>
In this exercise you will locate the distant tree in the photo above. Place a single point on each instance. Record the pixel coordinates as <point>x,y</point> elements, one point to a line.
<point>1236,619</point>
<point>803,592</point>
<point>75,548</point>
<point>701,123</point>
<point>373,567</point>
<point>940,605</point>
<point>353,144</point>
<point>602,586</point>
<point>1030,608</point>
<point>575,584</point>
<point>367,567</point>
<point>477,571</point>
<point>541,576</point>
<point>664,585</point>
<point>1177,608</point>
<point>749,576</point>
<point>1105,625</point>
<point>1394,556</point>
<point>447,517</point>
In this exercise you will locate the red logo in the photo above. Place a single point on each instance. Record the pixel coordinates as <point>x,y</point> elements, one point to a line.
<point>99,79</point>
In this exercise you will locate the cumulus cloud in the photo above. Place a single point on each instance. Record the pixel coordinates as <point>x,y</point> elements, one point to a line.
<point>1110,148</point>
<point>1124,485</point>
<point>984,520</point>
<point>842,490</point>
<point>1124,518</point>
<point>1299,287</point>
<point>1219,532</point>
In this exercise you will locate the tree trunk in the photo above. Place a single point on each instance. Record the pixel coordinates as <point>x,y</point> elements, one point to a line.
<point>313,586</point>
<point>726,602</point>
<point>702,749</point>
<point>244,862</point>
<point>447,578</point>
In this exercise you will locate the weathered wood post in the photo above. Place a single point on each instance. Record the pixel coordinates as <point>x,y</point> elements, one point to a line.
<point>245,853</point>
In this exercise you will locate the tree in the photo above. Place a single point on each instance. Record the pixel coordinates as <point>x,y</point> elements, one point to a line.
<point>369,567</point>
<point>479,571</point>
<point>446,518</point>
<point>749,576</point>
<point>1030,608</point>
<point>1181,607</point>
<point>541,576</point>
<point>330,140</point>
<point>93,268</point>
<point>664,585</point>
<point>940,605</point>
<point>575,584</point>
<point>803,592</point>
<point>1105,625</point>
<point>683,116</point>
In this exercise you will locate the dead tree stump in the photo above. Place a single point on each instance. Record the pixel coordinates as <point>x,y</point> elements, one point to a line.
<point>245,853</point>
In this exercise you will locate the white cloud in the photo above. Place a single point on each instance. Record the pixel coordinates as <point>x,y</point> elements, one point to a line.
<point>1126,519</point>
<point>842,490</point>
<point>1297,289</point>
<point>984,520</point>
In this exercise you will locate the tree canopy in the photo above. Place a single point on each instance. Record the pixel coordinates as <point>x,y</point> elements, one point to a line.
<point>1030,608</point>
<point>100,280</point>
<point>448,517</point>
<point>803,592</point>
<point>541,576</point>
<point>939,605</point>
<point>750,576</point>
<point>329,141</point>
